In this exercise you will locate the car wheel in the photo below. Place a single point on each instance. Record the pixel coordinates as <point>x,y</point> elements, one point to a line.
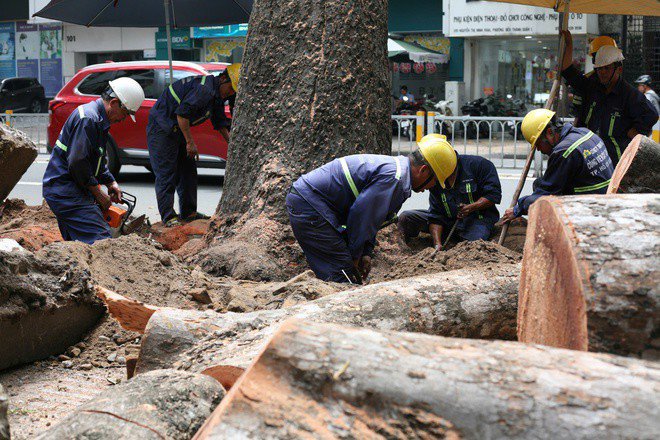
<point>114,164</point>
<point>35,106</point>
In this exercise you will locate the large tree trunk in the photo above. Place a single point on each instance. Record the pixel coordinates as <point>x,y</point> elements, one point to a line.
<point>325,381</point>
<point>462,303</point>
<point>591,273</point>
<point>638,171</point>
<point>17,153</point>
<point>164,404</point>
<point>314,86</point>
<point>4,407</point>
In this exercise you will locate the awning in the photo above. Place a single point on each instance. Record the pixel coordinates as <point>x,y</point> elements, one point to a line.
<point>415,52</point>
<point>615,7</point>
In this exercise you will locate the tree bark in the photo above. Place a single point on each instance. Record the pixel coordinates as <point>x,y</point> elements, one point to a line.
<point>590,276</point>
<point>45,307</point>
<point>4,422</point>
<point>638,171</point>
<point>462,303</point>
<point>164,404</point>
<point>17,153</point>
<point>325,381</point>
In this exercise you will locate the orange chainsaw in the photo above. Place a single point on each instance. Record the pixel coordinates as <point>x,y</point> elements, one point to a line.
<point>116,216</point>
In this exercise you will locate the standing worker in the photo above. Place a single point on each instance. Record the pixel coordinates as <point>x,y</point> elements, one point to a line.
<point>615,110</point>
<point>644,86</point>
<point>337,209</point>
<point>579,162</point>
<point>78,165</point>
<point>172,149</point>
<point>469,198</point>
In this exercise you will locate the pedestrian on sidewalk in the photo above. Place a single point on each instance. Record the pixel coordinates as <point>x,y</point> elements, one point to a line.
<point>579,162</point>
<point>469,198</point>
<point>78,167</point>
<point>336,210</point>
<point>172,149</point>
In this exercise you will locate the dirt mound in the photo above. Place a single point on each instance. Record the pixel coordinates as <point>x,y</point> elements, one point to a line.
<point>465,254</point>
<point>33,227</point>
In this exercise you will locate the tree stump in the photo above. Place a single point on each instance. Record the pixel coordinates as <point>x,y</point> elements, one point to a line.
<point>462,303</point>
<point>638,171</point>
<point>17,152</point>
<point>325,381</point>
<point>591,273</point>
<point>164,404</point>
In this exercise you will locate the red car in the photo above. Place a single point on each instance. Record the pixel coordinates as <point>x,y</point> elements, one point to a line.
<point>128,140</point>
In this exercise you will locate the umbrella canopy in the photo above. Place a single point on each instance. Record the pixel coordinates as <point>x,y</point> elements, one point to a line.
<point>616,7</point>
<point>415,52</point>
<point>148,13</point>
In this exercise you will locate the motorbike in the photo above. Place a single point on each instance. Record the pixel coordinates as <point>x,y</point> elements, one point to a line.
<point>497,106</point>
<point>405,107</point>
<point>441,107</point>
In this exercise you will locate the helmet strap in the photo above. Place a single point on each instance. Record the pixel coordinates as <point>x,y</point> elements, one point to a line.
<point>426,182</point>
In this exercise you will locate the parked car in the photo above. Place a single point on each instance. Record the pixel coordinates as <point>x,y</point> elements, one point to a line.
<point>128,139</point>
<point>21,95</point>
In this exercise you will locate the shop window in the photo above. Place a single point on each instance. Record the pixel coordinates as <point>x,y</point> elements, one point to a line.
<point>96,83</point>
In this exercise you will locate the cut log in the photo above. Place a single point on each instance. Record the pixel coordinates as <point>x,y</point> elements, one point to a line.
<point>591,273</point>
<point>132,315</point>
<point>638,171</point>
<point>17,153</point>
<point>463,303</point>
<point>164,404</point>
<point>45,307</point>
<point>325,381</point>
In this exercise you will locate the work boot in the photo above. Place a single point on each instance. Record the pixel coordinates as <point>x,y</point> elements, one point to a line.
<point>174,221</point>
<point>196,216</point>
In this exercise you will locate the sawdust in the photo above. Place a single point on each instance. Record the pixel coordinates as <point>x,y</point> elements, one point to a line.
<point>33,227</point>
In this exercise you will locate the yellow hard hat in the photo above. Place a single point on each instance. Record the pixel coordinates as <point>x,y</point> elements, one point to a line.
<point>440,155</point>
<point>535,122</point>
<point>599,42</point>
<point>233,70</point>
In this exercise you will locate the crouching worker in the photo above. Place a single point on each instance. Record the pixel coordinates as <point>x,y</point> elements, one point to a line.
<point>337,209</point>
<point>469,198</point>
<point>77,167</point>
<point>578,163</point>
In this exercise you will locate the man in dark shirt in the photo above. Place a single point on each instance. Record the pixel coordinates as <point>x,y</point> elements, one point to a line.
<point>470,198</point>
<point>615,110</point>
<point>172,149</point>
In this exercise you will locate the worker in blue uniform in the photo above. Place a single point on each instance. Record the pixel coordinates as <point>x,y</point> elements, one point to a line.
<point>470,198</point>
<point>172,149</point>
<point>336,210</point>
<point>77,167</point>
<point>578,164</point>
<point>613,109</point>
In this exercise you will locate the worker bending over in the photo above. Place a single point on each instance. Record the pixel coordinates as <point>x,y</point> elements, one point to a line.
<point>77,167</point>
<point>578,163</point>
<point>615,110</point>
<point>172,149</point>
<point>469,198</point>
<point>337,209</point>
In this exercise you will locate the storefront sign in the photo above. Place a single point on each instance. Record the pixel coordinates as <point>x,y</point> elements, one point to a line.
<point>180,39</point>
<point>483,18</point>
<point>234,30</point>
<point>215,50</point>
<point>50,58</point>
<point>7,51</point>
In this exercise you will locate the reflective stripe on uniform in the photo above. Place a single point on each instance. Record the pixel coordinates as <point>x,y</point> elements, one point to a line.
<point>204,79</point>
<point>444,202</point>
<point>591,110</point>
<point>98,165</point>
<point>349,178</point>
<point>577,143</point>
<point>397,176</point>
<point>81,112</point>
<point>592,187</point>
<point>609,133</point>
<point>174,95</point>
<point>468,188</point>
<point>61,145</point>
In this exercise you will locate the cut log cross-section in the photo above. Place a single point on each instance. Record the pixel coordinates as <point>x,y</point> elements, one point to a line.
<point>591,274</point>
<point>325,381</point>
<point>462,303</point>
<point>638,171</point>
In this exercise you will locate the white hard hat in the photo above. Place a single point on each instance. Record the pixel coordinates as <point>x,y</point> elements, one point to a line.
<point>129,93</point>
<point>607,55</point>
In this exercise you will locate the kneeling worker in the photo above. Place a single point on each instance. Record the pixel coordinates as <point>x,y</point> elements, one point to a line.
<point>77,167</point>
<point>579,162</point>
<point>172,150</point>
<point>337,209</point>
<point>469,198</point>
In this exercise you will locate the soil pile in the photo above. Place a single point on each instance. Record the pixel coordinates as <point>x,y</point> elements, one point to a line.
<point>33,227</point>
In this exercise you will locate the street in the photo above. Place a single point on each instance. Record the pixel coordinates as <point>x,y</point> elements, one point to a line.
<point>140,182</point>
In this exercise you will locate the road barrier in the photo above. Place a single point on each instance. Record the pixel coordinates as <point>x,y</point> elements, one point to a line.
<point>34,125</point>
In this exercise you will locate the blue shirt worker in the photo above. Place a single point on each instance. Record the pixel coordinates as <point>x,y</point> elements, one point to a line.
<point>578,163</point>
<point>469,199</point>
<point>336,210</point>
<point>612,108</point>
<point>77,167</point>
<point>172,149</point>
